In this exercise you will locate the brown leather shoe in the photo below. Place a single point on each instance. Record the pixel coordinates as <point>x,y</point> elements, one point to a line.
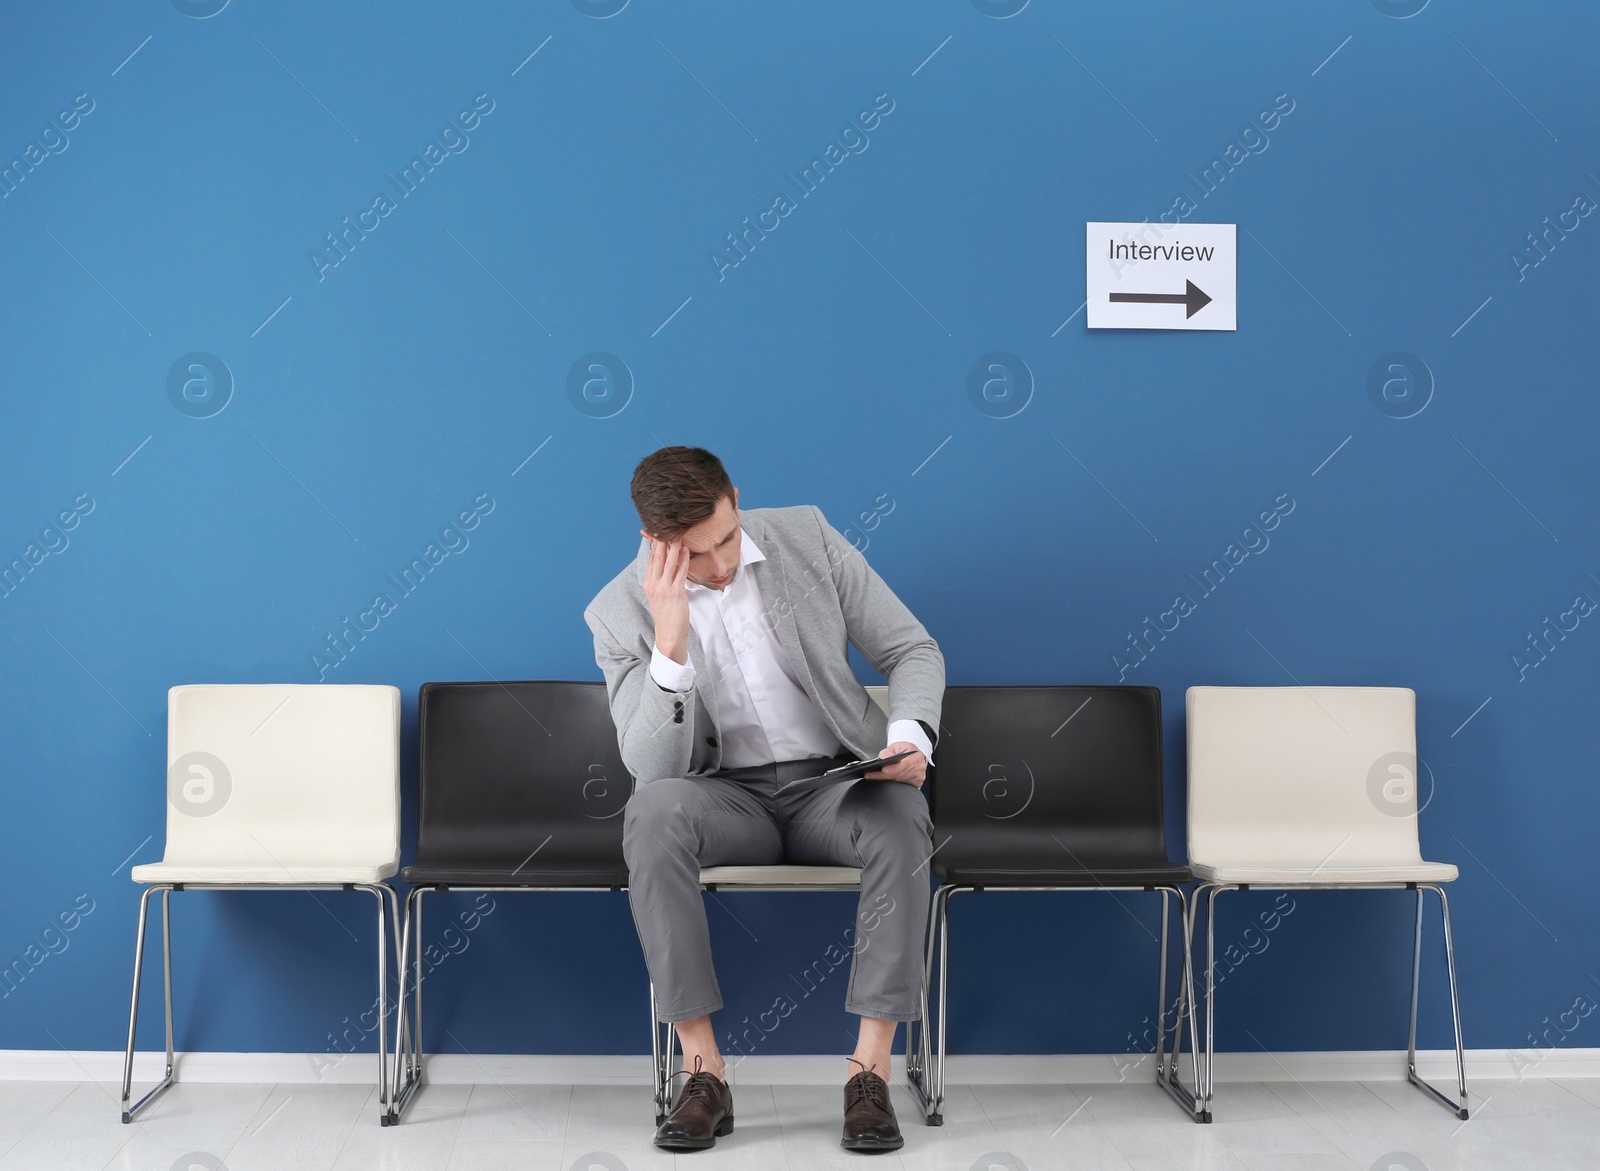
<point>703,1113</point>
<point>869,1121</point>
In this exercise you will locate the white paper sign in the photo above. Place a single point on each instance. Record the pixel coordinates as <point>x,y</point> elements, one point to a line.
<point>1162,276</point>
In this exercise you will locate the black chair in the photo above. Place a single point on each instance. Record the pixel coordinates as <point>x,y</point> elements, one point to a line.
<point>521,788</point>
<point>1049,788</point>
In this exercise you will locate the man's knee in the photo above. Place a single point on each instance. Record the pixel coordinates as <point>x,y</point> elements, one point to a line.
<point>653,808</point>
<point>891,811</point>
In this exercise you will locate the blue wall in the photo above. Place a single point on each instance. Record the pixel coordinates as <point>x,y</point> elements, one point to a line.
<point>380,390</point>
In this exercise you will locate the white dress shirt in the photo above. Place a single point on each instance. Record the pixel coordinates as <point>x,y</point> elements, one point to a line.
<point>765,714</point>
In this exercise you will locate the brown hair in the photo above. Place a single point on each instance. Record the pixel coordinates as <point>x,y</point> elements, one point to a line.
<point>675,488</point>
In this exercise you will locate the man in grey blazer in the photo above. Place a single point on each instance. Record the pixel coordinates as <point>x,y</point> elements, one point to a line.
<point>724,652</point>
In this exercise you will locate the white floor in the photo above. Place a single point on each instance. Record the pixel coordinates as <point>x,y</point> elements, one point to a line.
<point>1538,1124</point>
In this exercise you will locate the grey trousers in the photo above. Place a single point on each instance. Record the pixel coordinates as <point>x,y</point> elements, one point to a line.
<point>762,816</point>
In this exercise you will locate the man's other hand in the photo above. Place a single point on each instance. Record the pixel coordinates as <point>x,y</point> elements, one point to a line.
<point>910,771</point>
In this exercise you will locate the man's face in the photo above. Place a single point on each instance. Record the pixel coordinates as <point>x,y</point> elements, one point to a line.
<point>713,545</point>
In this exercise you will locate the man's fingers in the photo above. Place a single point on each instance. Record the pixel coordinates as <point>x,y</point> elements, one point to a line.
<point>901,770</point>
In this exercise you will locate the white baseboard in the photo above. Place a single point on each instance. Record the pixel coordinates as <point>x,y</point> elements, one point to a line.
<point>962,1069</point>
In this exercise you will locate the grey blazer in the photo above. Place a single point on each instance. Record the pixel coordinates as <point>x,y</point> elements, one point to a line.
<point>820,594</point>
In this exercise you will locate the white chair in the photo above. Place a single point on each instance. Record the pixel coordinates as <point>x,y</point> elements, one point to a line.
<point>1310,788</point>
<point>780,877</point>
<point>275,787</point>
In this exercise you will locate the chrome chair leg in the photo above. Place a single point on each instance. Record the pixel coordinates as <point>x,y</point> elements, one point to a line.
<point>936,1105</point>
<point>166,967</point>
<point>1167,1060</point>
<point>408,1023</point>
<point>1167,1063</point>
<point>402,1055</point>
<point>388,1092</point>
<point>1455,998</point>
<point>655,1056</point>
<point>383,1004</point>
<point>408,1029</point>
<point>1459,1108</point>
<point>385,1117</point>
<point>418,983</point>
<point>918,1034</point>
<point>1192,997</point>
<point>1211,891</point>
<point>1161,989</point>
<point>915,1031</point>
<point>663,1036</point>
<point>133,1012</point>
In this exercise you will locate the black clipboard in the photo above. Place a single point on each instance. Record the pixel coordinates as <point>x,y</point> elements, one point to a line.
<point>858,768</point>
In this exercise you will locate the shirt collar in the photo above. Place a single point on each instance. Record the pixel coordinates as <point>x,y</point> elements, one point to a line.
<point>749,554</point>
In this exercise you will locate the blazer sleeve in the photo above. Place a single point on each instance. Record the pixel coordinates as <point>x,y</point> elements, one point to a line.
<point>655,727</point>
<point>885,631</point>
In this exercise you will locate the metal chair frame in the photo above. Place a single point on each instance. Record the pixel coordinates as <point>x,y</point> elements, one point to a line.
<point>387,900</point>
<point>1209,891</point>
<point>408,1066</point>
<point>925,1059</point>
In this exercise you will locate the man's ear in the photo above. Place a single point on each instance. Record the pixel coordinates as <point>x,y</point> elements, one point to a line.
<point>736,500</point>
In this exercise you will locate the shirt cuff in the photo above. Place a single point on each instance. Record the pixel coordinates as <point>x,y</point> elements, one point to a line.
<point>908,731</point>
<point>668,675</point>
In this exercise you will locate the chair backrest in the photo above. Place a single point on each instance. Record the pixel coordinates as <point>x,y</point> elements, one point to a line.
<point>880,696</point>
<point>1302,776</point>
<point>285,773</point>
<point>519,775</point>
<point>1080,764</point>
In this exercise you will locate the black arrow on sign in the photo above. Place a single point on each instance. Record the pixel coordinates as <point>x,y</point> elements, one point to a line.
<point>1191,297</point>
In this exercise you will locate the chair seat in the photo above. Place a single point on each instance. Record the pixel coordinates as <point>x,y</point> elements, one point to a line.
<point>232,874</point>
<point>984,872</point>
<point>529,876</point>
<point>780,875</point>
<point>1000,856</point>
<point>1327,875</point>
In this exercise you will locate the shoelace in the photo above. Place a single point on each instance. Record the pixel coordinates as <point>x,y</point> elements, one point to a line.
<point>863,1088</point>
<point>700,1087</point>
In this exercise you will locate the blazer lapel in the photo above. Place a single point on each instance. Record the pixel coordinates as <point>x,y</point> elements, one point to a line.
<point>774,581</point>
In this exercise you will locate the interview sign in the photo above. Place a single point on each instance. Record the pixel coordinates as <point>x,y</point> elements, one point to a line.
<point>1162,276</point>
